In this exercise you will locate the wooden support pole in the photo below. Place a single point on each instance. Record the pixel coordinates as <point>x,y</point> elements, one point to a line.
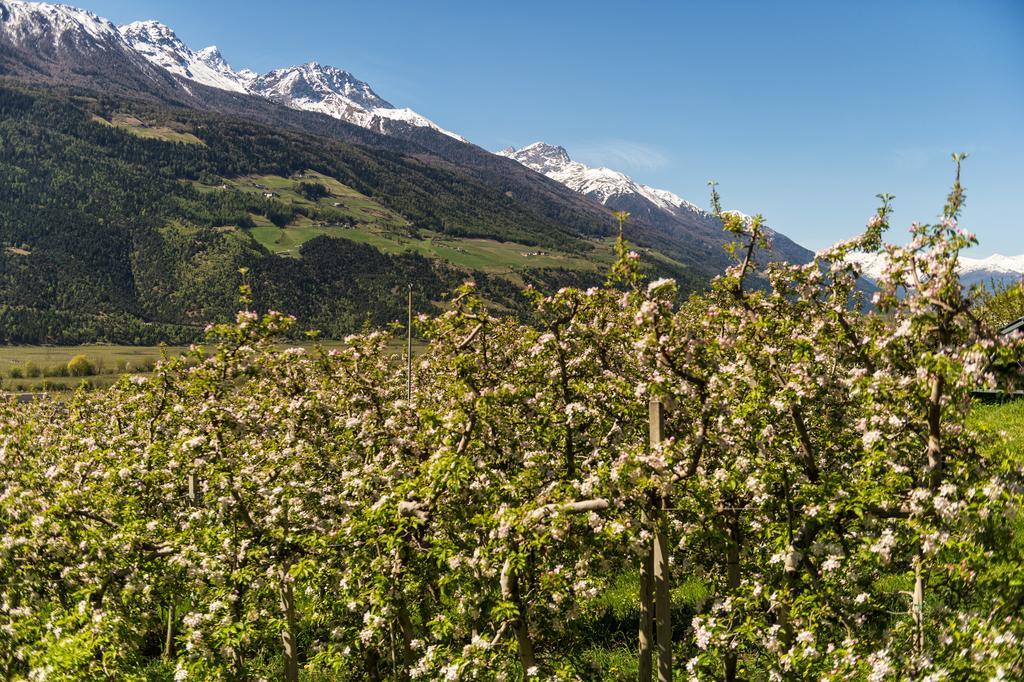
<point>733,575</point>
<point>918,609</point>
<point>408,349</point>
<point>169,633</point>
<point>289,647</point>
<point>662,604</point>
<point>195,492</point>
<point>646,613</point>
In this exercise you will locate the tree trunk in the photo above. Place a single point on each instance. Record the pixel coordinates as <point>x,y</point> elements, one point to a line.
<point>408,635</point>
<point>372,662</point>
<point>918,610</point>
<point>520,626</point>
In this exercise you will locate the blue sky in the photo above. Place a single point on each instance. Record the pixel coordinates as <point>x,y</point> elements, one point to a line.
<point>803,111</point>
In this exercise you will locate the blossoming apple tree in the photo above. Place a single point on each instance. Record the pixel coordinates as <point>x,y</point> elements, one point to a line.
<point>247,512</point>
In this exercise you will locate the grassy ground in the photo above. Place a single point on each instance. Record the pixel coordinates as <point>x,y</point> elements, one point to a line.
<point>359,208</point>
<point>1006,417</point>
<point>139,128</point>
<point>380,227</point>
<point>1005,424</point>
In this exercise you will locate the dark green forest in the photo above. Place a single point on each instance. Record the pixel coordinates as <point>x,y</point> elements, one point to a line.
<point>106,239</point>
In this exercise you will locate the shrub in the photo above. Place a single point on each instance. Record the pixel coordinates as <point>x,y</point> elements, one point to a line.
<point>16,373</point>
<point>32,370</point>
<point>57,371</point>
<point>80,366</point>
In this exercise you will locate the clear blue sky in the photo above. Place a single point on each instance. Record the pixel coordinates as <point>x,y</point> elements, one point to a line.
<point>803,111</point>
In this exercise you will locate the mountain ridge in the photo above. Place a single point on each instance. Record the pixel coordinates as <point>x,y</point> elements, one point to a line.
<point>307,87</point>
<point>997,268</point>
<point>619,191</point>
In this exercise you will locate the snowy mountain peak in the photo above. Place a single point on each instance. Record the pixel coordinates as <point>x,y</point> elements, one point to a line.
<point>211,55</point>
<point>49,27</point>
<point>150,31</point>
<point>603,184</point>
<point>162,47</point>
<point>541,155</point>
<point>47,30</point>
<point>995,268</point>
<point>336,92</point>
<point>314,82</point>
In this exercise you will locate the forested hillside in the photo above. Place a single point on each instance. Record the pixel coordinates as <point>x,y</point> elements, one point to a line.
<point>111,231</point>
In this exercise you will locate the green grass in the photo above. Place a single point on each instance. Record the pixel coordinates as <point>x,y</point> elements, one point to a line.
<point>105,356</point>
<point>134,126</point>
<point>486,255</point>
<point>111,362</point>
<point>353,205</point>
<point>1003,426</point>
<point>1006,418</point>
<point>286,241</point>
<point>378,226</point>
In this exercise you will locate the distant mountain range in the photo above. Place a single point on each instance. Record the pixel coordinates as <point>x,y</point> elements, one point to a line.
<point>339,94</point>
<point>997,270</point>
<point>552,215</point>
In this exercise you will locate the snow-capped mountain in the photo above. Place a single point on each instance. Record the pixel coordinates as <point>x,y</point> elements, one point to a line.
<point>159,44</point>
<point>308,87</point>
<point>1001,270</point>
<point>45,27</point>
<point>337,93</point>
<point>74,47</point>
<point>621,192</point>
<point>602,184</point>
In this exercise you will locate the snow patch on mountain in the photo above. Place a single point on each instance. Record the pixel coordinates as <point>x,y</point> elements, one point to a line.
<point>159,44</point>
<point>315,82</point>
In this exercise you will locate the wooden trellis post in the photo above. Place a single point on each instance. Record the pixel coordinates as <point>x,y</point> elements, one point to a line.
<point>733,577</point>
<point>408,350</point>
<point>195,493</point>
<point>646,613</point>
<point>659,557</point>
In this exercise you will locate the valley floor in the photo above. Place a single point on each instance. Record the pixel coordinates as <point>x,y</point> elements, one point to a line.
<point>40,369</point>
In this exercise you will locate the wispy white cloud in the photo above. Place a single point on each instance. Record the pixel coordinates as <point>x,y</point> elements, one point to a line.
<point>621,155</point>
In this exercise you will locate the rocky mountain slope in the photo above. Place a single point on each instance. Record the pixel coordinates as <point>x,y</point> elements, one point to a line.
<point>161,46</point>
